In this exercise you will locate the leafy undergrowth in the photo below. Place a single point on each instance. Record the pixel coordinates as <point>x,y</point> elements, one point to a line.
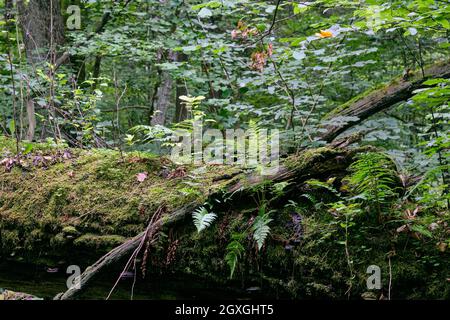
<point>305,255</point>
<point>322,240</point>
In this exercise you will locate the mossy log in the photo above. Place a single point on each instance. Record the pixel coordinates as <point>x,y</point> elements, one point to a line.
<point>61,206</point>
<point>73,204</point>
<point>313,163</point>
<point>373,101</point>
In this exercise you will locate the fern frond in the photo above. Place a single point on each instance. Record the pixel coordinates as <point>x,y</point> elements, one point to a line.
<point>202,218</point>
<point>234,252</point>
<point>319,184</point>
<point>261,229</point>
<point>374,177</point>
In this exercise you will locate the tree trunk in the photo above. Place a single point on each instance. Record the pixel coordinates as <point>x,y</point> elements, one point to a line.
<point>318,163</point>
<point>378,100</point>
<point>42,26</point>
<point>31,120</point>
<point>36,19</point>
<point>161,103</point>
<point>180,108</point>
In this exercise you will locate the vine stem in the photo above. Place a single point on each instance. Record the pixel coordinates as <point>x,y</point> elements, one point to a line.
<point>390,278</point>
<point>349,262</point>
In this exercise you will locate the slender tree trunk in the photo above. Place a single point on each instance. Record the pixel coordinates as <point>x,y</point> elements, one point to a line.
<point>35,21</point>
<point>163,95</point>
<point>42,26</point>
<point>180,109</point>
<point>97,69</point>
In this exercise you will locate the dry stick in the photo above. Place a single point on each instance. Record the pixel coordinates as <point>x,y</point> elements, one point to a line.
<point>149,231</point>
<point>119,252</point>
<point>283,174</point>
<point>349,262</point>
<point>8,17</point>
<point>116,127</point>
<point>269,31</point>
<point>289,92</point>
<point>390,278</point>
<point>149,239</point>
<point>21,78</point>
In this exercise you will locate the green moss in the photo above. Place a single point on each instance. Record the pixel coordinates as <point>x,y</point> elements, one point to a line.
<point>70,231</point>
<point>299,161</point>
<point>93,202</point>
<point>10,238</point>
<point>375,91</point>
<point>94,241</point>
<point>93,192</point>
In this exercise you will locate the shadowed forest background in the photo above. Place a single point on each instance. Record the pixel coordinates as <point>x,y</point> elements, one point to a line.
<point>94,94</point>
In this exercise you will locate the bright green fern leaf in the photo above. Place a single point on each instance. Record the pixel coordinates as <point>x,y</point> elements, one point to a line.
<point>202,218</point>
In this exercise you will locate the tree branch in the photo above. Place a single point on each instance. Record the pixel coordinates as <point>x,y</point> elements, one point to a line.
<point>372,102</point>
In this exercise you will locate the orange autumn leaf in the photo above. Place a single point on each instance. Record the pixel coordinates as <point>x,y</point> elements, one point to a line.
<point>324,34</point>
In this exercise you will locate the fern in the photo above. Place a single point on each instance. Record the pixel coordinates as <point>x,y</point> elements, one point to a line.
<point>203,218</point>
<point>260,227</point>
<point>374,177</point>
<point>319,184</point>
<point>234,251</point>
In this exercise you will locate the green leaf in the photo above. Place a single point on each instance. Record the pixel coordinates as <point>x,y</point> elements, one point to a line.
<point>205,13</point>
<point>12,127</point>
<point>210,4</point>
<point>28,148</point>
<point>412,31</point>
<point>422,230</point>
<point>202,218</point>
<point>234,251</point>
<point>445,23</point>
<point>298,55</point>
<point>261,229</point>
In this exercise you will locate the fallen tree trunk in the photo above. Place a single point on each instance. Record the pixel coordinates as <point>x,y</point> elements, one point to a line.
<point>311,163</point>
<point>121,251</point>
<point>369,103</point>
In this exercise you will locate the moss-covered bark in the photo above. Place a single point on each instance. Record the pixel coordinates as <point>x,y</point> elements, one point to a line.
<point>74,205</point>
<point>54,200</point>
<point>375,100</point>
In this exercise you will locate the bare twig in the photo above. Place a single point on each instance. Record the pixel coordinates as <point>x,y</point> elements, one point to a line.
<point>150,232</point>
<point>272,25</point>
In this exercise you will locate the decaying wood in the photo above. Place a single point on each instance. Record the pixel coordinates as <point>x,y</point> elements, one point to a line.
<point>310,164</point>
<point>378,100</point>
<point>121,251</point>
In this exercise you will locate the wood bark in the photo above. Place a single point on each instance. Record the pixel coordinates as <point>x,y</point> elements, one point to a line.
<point>36,19</point>
<point>378,100</point>
<point>121,251</point>
<point>162,100</point>
<point>42,27</point>
<point>181,90</point>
